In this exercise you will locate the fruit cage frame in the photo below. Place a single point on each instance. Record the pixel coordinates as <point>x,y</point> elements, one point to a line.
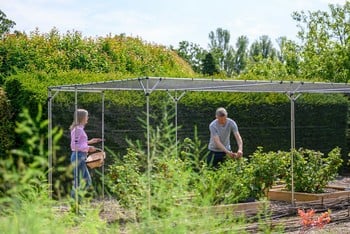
<point>179,86</point>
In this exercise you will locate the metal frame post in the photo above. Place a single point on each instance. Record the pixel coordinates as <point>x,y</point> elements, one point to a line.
<point>50,150</point>
<point>75,186</point>
<point>176,100</point>
<point>292,99</point>
<point>148,92</point>
<point>103,144</point>
<point>49,140</point>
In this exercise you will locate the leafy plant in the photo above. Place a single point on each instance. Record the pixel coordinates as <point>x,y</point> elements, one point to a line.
<point>134,178</point>
<point>227,185</point>
<point>312,170</point>
<point>124,180</point>
<point>266,169</point>
<point>27,166</point>
<point>194,152</point>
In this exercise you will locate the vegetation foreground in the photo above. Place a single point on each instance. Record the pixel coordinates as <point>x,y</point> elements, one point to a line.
<point>166,195</point>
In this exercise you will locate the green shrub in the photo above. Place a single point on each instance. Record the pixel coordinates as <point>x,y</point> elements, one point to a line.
<point>124,180</point>
<point>132,177</point>
<point>313,170</point>
<point>266,169</point>
<point>27,166</point>
<point>193,152</point>
<point>228,184</point>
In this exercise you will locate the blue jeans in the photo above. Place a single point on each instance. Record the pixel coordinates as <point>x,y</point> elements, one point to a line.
<point>80,170</point>
<point>215,158</point>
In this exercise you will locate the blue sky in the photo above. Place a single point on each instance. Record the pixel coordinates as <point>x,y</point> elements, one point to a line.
<point>163,22</point>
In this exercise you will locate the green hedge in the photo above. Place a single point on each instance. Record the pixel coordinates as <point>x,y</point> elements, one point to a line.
<point>263,119</point>
<point>53,53</point>
<point>319,126</point>
<point>321,120</point>
<point>7,132</point>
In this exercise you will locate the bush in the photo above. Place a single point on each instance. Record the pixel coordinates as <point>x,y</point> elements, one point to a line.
<point>266,169</point>
<point>312,170</point>
<point>26,167</point>
<point>229,184</point>
<point>124,180</point>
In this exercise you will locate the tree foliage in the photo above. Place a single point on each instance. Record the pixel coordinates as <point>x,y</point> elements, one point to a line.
<point>221,49</point>
<point>325,43</point>
<point>262,49</point>
<point>322,54</point>
<point>193,54</point>
<point>5,24</point>
<point>289,55</point>
<point>209,65</point>
<point>241,55</point>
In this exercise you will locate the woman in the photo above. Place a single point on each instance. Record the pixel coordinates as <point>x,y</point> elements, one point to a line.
<point>80,148</point>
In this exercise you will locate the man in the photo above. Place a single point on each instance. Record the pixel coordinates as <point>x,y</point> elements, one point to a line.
<point>219,144</point>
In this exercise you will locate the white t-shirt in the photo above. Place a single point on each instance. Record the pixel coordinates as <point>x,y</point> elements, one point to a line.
<point>223,131</point>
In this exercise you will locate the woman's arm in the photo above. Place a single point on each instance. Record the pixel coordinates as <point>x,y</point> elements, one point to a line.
<point>94,140</point>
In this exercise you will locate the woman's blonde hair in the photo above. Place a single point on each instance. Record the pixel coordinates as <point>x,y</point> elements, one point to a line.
<point>79,116</point>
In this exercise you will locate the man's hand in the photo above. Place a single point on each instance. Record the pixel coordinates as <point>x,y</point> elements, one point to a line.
<point>231,154</point>
<point>235,155</point>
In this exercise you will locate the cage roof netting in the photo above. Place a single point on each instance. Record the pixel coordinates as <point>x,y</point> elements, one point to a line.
<point>201,84</point>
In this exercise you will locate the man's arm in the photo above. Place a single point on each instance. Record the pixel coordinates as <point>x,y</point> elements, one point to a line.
<point>219,144</point>
<point>239,144</point>
<point>222,147</point>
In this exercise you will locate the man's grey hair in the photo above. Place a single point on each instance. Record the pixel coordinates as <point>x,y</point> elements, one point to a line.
<point>220,112</point>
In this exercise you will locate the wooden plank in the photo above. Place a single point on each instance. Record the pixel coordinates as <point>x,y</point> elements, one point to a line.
<point>239,208</point>
<point>278,194</point>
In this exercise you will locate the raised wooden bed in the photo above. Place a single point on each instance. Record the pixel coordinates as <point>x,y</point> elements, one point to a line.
<point>248,208</point>
<point>279,193</point>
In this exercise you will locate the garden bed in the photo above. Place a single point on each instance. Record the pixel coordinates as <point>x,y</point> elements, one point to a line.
<point>246,208</point>
<point>279,193</point>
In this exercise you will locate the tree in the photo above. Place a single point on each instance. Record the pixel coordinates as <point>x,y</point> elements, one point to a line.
<point>210,65</point>
<point>192,53</point>
<point>289,55</point>
<point>5,24</point>
<point>220,48</point>
<point>325,45</point>
<point>240,58</point>
<point>262,49</point>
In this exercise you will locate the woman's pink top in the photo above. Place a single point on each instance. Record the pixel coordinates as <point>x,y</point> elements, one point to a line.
<point>79,139</point>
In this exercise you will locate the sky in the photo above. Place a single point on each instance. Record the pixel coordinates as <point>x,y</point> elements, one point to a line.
<point>163,22</point>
